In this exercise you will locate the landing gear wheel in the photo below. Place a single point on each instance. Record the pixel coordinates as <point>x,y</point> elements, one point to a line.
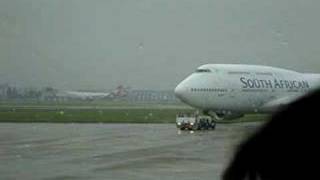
<point>195,127</point>
<point>213,125</point>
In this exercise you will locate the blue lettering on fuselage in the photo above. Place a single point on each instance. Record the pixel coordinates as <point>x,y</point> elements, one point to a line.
<point>275,83</point>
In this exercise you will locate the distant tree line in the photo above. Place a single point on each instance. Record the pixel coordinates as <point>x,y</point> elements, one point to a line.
<point>14,93</point>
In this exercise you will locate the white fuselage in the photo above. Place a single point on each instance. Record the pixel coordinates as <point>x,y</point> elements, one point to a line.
<point>244,88</point>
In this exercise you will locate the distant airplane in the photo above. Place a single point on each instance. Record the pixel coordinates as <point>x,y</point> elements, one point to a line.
<point>228,91</point>
<point>120,91</point>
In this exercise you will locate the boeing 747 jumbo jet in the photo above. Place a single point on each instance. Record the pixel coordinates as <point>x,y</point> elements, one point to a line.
<point>228,91</point>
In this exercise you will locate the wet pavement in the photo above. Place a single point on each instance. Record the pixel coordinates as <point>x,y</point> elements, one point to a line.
<point>116,151</point>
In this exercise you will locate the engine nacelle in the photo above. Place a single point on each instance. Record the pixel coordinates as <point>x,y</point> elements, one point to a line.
<point>224,115</point>
<point>229,116</point>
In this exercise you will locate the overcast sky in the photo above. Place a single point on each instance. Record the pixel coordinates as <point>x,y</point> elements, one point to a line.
<point>150,44</point>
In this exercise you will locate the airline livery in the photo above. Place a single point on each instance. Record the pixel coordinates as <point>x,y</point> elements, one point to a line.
<point>228,91</point>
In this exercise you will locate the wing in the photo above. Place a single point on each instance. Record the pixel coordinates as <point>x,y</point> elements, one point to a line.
<point>277,103</point>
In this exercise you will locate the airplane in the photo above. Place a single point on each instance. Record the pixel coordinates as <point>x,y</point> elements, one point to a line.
<point>120,91</point>
<point>86,95</point>
<point>228,91</point>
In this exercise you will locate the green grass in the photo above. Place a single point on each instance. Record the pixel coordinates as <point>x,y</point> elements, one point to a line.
<point>78,103</point>
<point>118,112</point>
<point>90,115</point>
<point>91,105</point>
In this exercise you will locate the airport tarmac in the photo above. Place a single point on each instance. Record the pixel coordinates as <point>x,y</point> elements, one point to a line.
<point>116,151</point>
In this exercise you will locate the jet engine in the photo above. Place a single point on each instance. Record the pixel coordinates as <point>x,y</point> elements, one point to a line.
<point>223,115</point>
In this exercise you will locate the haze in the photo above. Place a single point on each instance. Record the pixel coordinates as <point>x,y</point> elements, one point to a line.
<point>150,44</point>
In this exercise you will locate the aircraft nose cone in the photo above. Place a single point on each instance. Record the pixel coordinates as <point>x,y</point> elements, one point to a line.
<point>180,92</point>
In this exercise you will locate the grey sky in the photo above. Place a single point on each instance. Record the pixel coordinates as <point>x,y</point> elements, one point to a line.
<point>150,44</point>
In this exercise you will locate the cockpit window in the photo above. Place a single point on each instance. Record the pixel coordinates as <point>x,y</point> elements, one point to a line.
<point>202,70</point>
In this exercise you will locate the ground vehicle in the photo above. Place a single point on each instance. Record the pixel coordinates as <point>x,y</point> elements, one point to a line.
<point>194,122</point>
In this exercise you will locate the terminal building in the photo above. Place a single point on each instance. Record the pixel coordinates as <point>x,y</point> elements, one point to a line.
<point>49,94</point>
